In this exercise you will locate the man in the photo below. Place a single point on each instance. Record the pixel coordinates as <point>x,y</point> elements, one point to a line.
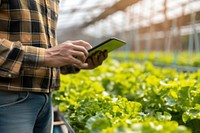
<point>30,62</point>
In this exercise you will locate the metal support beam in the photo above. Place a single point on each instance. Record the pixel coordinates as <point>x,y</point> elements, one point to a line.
<point>121,5</point>
<point>185,20</point>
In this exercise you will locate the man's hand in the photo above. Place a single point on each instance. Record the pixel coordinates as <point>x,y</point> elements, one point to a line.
<point>70,52</point>
<point>95,60</point>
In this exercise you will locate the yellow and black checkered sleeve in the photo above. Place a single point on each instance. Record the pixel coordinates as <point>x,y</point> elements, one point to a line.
<point>10,59</point>
<point>14,56</point>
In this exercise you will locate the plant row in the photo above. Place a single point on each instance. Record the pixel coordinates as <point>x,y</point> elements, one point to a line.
<point>121,97</point>
<point>159,57</point>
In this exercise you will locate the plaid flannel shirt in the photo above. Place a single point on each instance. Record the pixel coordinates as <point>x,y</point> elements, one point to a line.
<point>27,28</point>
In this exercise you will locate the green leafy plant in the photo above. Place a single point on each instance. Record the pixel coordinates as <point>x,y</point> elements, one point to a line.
<point>130,97</point>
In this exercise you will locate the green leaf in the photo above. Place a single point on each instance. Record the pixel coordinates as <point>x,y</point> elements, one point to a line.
<point>98,123</point>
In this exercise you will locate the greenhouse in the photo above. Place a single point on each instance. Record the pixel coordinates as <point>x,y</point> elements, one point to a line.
<point>151,84</point>
<point>100,66</point>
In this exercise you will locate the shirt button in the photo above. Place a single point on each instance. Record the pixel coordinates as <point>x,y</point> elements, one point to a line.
<point>48,10</point>
<point>9,75</point>
<point>49,20</point>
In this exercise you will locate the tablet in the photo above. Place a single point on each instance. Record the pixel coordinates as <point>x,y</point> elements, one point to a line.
<point>109,45</point>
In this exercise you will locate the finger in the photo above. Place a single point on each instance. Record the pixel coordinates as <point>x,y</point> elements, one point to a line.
<point>79,55</point>
<point>82,43</point>
<point>76,62</point>
<point>105,54</point>
<point>90,63</point>
<point>94,59</point>
<point>81,49</point>
<point>101,58</point>
<point>83,66</point>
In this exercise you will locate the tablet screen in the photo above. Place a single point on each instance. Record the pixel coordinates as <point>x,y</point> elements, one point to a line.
<point>109,45</point>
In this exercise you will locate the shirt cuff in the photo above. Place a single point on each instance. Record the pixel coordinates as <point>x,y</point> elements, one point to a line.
<point>69,69</point>
<point>33,56</point>
<point>10,58</point>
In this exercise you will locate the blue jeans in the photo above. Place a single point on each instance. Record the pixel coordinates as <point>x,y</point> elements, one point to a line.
<point>25,112</point>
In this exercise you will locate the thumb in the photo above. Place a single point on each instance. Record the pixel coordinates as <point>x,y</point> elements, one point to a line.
<point>83,66</point>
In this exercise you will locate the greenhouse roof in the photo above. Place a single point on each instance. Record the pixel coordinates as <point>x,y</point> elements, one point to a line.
<point>94,16</point>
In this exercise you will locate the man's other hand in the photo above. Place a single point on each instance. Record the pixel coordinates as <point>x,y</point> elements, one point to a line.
<point>95,60</point>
